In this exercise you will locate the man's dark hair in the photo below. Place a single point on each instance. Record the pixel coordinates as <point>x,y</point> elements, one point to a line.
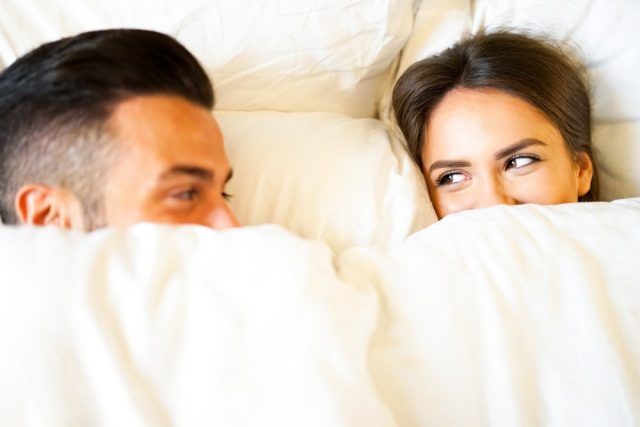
<point>56,100</point>
<point>535,70</point>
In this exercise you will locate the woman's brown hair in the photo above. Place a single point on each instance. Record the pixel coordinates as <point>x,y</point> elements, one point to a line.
<point>532,69</point>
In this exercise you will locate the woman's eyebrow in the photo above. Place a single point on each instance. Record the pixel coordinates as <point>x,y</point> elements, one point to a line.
<point>445,164</point>
<point>514,148</point>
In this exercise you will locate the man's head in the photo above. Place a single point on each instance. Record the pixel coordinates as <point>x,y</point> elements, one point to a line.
<point>110,128</point>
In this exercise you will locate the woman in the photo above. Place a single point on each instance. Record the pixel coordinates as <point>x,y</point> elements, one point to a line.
<point>499,118</point>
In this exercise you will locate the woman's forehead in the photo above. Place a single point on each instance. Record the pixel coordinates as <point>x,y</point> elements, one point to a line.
<point>468,120</point>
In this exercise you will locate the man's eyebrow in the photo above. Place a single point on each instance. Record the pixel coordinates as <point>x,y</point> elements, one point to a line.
<point>445,164</point>
<point>514,148</point>
<point>195,171</point>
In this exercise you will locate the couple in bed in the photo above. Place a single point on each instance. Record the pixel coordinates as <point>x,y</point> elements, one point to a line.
<point>114,127</point>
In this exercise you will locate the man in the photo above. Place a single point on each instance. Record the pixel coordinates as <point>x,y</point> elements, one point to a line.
<point>110,128</point>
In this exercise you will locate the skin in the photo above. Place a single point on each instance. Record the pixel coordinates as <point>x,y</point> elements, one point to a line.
<point>170,167</point>
<point>484,147</point>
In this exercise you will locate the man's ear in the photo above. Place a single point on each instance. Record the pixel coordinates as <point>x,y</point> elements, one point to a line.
<point>584,173</point>
<point>39,204</point>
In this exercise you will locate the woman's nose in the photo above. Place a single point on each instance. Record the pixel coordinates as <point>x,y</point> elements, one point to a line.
<point>494,193</point>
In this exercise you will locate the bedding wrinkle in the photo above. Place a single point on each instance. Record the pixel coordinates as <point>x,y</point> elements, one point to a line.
<point>336,7</point>
<point>112,336</point>
<point>7,49</point>
<point>384,323</point>
<point>510,373</point>
<point>506,338</point>
<point>195,16</point>
<point>617,346</point>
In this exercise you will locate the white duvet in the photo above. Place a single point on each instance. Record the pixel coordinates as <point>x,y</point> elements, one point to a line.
<point>188,327</point>
<point>520,316</point>
<point>461,325</point>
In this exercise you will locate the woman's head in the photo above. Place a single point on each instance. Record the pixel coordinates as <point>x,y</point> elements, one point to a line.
<point>498,118</point>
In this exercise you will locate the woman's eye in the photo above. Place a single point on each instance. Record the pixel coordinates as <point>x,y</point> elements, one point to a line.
<point>451,178</point>
<point>520,161</point>
<point>227,196</point>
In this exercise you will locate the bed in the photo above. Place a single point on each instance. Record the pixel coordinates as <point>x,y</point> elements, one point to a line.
<point>343,302</point>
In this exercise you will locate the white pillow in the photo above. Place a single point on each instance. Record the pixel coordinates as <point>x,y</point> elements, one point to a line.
<point>164,326</point>
<point>605,30</point>
<point>324,176</point>
<point>606,33</point>
<point>303,55</point>
<point>438,24</point>
<point>510,316</point>
<point>617,146</point>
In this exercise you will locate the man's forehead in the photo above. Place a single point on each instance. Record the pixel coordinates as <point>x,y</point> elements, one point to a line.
<point>165,123</point>
<point>157,133</point>
<point>176,111</point>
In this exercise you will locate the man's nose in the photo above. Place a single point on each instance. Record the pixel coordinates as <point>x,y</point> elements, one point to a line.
<point>494,193</point>
<point>222,218</point>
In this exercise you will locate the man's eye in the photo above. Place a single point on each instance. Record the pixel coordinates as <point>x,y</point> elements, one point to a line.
<point>520,161</point>
<point>449,178</point>
<point>187,195</point>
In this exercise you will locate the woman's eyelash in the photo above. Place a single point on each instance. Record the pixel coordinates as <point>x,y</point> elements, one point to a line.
<point>447,176</point>
<point>511,162</point>
<point>442,178</point>
<point>227,196</point>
